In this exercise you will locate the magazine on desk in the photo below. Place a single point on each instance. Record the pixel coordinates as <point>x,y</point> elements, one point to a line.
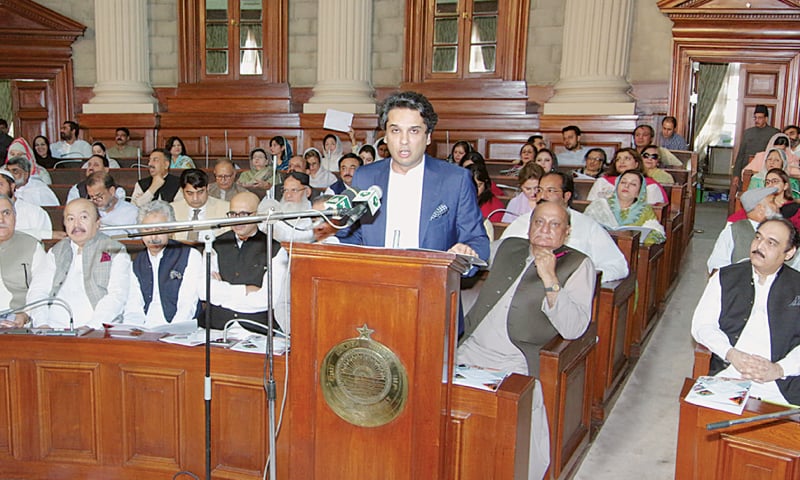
<point>478,377</point>
<point>720,393</point>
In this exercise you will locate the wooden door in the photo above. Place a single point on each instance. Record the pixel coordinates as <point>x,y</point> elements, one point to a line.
<point>760,84</point>
<point>32,102</point>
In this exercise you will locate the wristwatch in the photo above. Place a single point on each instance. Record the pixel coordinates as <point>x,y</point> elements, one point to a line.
<point>555,288</point>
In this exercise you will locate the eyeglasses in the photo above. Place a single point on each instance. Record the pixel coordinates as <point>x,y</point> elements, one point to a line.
<point>239,214</point>
<point>223,177</point>
<point>654,156</point>
<point>97,198</point>
<point>773,181</point>
<point>596,159</point>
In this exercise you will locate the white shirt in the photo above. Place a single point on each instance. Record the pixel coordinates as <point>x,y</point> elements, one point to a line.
<point>588,237</point>
<point>572,158</point>
<point>34,268</point>
<point>192,284</point>
<point>236,298</point>
<point>78,149</point>
<point>123,213</point>
<point>403,205</point>
<point>74,293</point>
<point>324,178</point>
<point>723,248</point>
<point>73,193</point>
<point>33,220</point>
<point>37,193</point>
<point>754,339</point>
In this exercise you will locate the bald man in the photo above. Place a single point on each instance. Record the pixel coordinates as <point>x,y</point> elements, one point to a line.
<point>240,272</point>
<point>88,270</point>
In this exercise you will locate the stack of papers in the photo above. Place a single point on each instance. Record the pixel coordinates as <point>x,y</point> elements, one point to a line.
<point>720,393</point>
<point>477,377</point>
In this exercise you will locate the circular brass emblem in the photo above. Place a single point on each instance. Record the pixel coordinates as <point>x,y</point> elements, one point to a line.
<point>363,381</point>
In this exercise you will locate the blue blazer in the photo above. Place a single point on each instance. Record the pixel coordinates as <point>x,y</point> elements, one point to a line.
<point>449,211</point>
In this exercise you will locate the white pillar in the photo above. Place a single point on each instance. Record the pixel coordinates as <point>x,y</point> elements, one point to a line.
<point>594,62</point>
<point>123,65</point>
<point>344,66</point>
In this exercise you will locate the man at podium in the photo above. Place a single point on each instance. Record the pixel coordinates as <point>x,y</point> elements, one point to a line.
<point>538,288</point>
<point>427,202</point>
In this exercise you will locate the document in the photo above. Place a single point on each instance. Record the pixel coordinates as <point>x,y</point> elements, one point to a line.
<point>337,120</point>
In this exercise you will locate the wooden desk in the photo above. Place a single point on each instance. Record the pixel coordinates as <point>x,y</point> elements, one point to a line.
<point>96,407</point>
<point>768,450</point>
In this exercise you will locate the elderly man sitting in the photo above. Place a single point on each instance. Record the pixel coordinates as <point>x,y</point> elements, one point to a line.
<point>88,270</point>
<point>537,288</point>
<point>21,259</point>
<point>31,219</point>
<point>30,188</point>
<point>748,315</point>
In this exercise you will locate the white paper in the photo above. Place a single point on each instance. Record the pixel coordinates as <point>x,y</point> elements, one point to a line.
<point>337,120</point>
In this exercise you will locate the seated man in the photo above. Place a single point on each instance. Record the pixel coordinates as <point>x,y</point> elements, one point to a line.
<point>196,204</point>
<point>348,165</point>
<point>87,270</point>
<point>95,163</point>
<point>537,288</point>
<point>586,235</point>
<point>101,189</point>
<point>166,279</point>
<point>225,186</point>
<point>644,135</point>
<point>296,191</point>
<point>121,147</point>
<point>160,185</point>
<point>748,315</point>
<point>298,164</point>
<point>70,146</point>
<point>30,188</point>
<point>31,219</point>
<point>239,289</point>
<point>670,139</point>
<point>733,242</point>
<point>21,258</point>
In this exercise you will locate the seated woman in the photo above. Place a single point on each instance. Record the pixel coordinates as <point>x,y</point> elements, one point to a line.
<point>99,148</point>
<point>474,157</point>
<point>178,156</point>
<point>526,200</point>
<point>526,154</point>
<point>776,158</point>
<point>260,173</point>
<point>318,175</point>
<point>594,160</point>
<point>42,153</point>
<point>547,160</point>
<point>20,148</point>
<point>652,165</point>
<point>460,148</point>
<point>280,148</point>
<point>779,179</point>
<point>625,159</point>
<point>491,206</point>
<point>367,153</point>
<point>782,142</point>
<point>331,152</point>
<point>628,206</point>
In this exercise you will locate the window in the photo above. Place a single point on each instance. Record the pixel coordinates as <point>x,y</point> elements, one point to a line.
<point>465,42</point>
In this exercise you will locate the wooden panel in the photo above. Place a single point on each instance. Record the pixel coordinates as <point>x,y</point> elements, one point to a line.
<point>764,84</point>
<point>69,408</point>
<point>8,417</point>
<point>744,459</point>
<point>239,447</point>
<point>152,409</point>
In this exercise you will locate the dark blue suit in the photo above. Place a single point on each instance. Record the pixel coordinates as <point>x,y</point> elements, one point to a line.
<point>449,211</point>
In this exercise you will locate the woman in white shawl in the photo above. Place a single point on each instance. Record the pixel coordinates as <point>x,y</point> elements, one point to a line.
<point>628,207</point>
<point>331,152</point>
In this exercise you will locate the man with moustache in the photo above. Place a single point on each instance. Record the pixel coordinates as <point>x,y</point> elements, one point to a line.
<point>748,315</point>
<point>240,272</point>
<point>30,218</point>
<point>30,187</point>
<point>101,189</point>
<point>88,270</point>
<point>537,288</point>
<point>121,148</point>
<point>21,258</point>
<point>70,146</point>
<point>95,163</point>
<point>573,156</point>
<point>225,186</point>
<point>166,278</point>
<point>160,185</point>
<point>348,165</point>
<point>754,139</point>
<point>196,204</point>
<point>296,193</point>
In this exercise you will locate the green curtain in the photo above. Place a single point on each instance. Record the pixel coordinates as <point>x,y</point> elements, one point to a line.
<point>6,107</point>
<point>709,80</point>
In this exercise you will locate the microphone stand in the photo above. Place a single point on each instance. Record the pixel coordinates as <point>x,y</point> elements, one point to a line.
<point>271,389</point>
<point>209,244</point>
<point>47,301</point>
<point>757,418</point>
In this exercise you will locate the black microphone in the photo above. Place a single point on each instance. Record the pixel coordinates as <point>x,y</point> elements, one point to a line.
<point>368,200</point>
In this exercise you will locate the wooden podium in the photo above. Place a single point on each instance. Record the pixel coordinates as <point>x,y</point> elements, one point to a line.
<point>410,299</point>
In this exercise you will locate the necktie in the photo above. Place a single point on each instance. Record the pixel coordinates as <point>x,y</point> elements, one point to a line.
<point>193,235</point>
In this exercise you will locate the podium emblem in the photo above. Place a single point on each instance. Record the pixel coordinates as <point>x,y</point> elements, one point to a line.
<point>363,381</point>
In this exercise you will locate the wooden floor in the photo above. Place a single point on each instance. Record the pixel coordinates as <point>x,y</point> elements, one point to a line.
<point>639,438</point>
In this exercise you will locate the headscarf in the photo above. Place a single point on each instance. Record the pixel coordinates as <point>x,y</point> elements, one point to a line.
<point>287,153</point>
<point>634,211</point>
<point>21,145</point>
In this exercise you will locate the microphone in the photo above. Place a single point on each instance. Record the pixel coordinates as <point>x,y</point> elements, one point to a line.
<point>368,200</point>
<point>48,301</point>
